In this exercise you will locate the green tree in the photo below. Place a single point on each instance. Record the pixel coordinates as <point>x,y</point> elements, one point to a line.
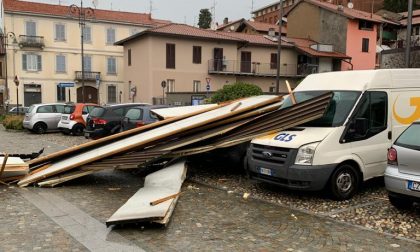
<point>236,91</point>
<point>399,5</point>
<point>204,20</point>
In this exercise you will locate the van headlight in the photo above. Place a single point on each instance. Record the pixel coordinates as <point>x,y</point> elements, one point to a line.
<point>306,153</point>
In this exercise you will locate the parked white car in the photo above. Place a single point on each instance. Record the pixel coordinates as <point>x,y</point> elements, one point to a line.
<point>41,118</point>
<point>402,176</point>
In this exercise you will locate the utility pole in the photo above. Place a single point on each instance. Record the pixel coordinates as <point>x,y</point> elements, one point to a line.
<point>408,35</point>
<point>279,48</point>
<point>82,14</point>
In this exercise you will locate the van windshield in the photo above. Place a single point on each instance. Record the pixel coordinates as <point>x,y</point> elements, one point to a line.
<point>339,109</point>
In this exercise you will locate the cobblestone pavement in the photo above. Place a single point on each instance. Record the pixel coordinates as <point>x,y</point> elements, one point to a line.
<point>205,219</point>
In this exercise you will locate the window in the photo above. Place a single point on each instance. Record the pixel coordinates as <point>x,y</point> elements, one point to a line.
<point>60,32</point>
<point>410,138</point>
<point>87,61</point>
<point>60,63</point>
<point>134,31</point>
<point>112,94</point>
<point>59,108</point>
<point>135,114</point>
<point>129,57</point>
<point>31,62</point>
<point>87,36</point>
<point>110,36</point>
<point>30,28</point>
<point>196,86</point>
<point>365,45</point>
<point>170,56</point>
<point>197,54</point>
<point>112,65</point>
<point>1,69</point>
<point>85,110</point>
<point>365,25</point>
<point>273,61</point>
<point>272,89</point>
<point>170,86</point>
<point>61,94</point>
<point>372,112</point>
<point>45,109</point>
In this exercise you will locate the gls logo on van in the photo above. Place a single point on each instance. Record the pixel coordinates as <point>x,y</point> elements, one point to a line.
<point>283,137</point>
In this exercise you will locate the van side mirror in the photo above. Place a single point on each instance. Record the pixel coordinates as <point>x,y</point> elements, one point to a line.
<point>361,126</point>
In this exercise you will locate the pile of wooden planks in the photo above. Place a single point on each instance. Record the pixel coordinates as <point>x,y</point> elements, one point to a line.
<point>12,168</point>
<point>191,133</point>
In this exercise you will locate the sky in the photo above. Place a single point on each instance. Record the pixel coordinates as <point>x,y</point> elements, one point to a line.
<point>179,11</point>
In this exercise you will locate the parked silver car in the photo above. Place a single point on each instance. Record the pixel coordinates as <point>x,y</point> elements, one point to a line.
<point>402,176</point>
<point>41,118</point>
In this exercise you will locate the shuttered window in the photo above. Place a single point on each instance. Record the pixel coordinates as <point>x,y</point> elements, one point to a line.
<point>170,56</point>
<point>87,61</point>
<point>60,63</point>
<point>110,36</point>
<point>112,94</point>
<point>112,65</point>
<point>60,32</point>
<point>273,61</point>
<point>87,36</point>
<point>197,54</point>
<point>129,57</point>
<point>30,28</point>
<point>31,62</point>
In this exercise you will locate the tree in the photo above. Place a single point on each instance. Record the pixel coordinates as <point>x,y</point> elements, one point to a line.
<point>236,91</point>
<point>204,20</point>
<point>399,5</point>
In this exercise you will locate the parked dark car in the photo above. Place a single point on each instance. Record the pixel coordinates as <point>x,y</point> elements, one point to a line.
<point>139,116</point>
<point>106,121</point>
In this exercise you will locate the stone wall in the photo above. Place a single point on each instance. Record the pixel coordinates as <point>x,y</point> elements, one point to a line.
<point>395,58</point>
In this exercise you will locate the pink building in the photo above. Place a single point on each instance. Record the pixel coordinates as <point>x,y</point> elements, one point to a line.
<point>349,31</point>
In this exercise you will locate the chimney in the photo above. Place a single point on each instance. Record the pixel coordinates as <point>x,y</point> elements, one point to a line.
<point>340,7</point>
<point>271,32</point>
<point>225,21</point>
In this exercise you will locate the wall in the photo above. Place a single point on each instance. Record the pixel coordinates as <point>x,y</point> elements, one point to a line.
<point>325,65</point>
<point>311,26</point>
<point>98,49</point>
<point>395,58</point>
<point>360,60</point>
<point>333,30</point>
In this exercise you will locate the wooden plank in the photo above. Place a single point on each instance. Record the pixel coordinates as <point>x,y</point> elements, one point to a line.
<point>161,200</point>
<point>141,140</point>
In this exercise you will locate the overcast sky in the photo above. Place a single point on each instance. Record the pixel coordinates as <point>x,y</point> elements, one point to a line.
<point>179,11</point>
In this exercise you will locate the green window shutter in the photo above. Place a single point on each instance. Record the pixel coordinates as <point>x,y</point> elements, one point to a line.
<point>24,62</point>
<point>39,61</point>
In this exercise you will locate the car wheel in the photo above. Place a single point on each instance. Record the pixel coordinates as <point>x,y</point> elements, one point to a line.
<point>400,203</point>
<point>40,128</point>
<point>78,130</point>
<point>344,182</point>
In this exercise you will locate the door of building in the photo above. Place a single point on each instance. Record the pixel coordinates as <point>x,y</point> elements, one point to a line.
<point>218,59</point>
<point>32,94</point>
<point>91,95</point>
<point>245,62</point>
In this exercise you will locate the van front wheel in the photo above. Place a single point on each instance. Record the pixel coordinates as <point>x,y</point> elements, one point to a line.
<point>344,182</point>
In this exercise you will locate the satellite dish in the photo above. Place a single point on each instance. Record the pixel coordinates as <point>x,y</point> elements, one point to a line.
<point>350,5</point>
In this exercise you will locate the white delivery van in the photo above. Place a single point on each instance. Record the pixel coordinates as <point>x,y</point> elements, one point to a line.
<point>349,144</point>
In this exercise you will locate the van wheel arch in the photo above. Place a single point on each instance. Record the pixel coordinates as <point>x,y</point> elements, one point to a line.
<point>348,170</point>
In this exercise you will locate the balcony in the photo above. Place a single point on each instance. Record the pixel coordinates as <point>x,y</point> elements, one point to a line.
<point>307,69</point>
<point>89,76</point>
<point>248,68</point>
<point>31,41</point>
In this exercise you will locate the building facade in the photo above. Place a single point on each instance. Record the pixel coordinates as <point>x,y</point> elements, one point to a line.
<point>44,52</point>
<point>188,59</point>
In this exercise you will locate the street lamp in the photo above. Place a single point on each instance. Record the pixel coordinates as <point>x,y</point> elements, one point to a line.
<point>279,48</point>
<point>163,84</point>
<point>16,81</point>
<point>82,14</point>
<point>6,37</point>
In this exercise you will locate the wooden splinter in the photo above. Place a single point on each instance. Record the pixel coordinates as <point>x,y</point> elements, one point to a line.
<point>157,202</point>
<point>292,96</point>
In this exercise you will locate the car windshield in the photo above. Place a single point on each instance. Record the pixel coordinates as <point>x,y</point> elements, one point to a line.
<point>97,112</point>
<point>410,138</point>
<point>68,109</point>
<point>337,112</point>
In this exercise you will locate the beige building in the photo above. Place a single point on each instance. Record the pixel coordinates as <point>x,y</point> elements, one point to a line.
<point>186,58</point>
<point>46,53</point>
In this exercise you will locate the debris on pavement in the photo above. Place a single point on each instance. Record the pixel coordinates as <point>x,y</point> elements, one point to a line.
<point>12,168</point>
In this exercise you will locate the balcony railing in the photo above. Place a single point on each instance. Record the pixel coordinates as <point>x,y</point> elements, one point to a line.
<point>249,68</point>
<point>89,76</point>
<point>31,41</point>
<point>307,69</point>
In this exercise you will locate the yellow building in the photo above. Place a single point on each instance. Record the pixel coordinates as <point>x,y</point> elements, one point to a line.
<point>46,54</point>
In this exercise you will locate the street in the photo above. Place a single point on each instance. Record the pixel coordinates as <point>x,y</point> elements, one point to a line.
<point>211,214</point>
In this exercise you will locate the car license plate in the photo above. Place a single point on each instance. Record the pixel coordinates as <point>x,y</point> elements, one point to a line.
<point>87,134</point>
<point>413,185</point>
<point>265,171</point>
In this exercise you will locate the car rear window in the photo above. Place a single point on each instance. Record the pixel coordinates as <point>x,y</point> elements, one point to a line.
<point>97,112</point>
<point>410,138</point>
<point>31,108</point>
<point>134,114</point>
<point>68,109</point>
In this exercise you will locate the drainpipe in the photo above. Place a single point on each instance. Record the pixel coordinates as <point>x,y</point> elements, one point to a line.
<point>279,49</point>
<point>408,35</point>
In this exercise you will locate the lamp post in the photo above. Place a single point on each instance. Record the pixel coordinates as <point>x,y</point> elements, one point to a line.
<point>6,37</point>
<point>279,48</point>
<point>16,81</point>
<point>163,84</point>
<point>82,14</point>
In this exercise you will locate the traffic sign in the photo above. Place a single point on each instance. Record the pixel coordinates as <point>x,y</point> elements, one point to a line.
<point>66,84</point>
<point>208,87</point>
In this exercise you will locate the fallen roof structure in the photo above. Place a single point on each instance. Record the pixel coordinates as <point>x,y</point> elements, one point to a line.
<point>204,130</point>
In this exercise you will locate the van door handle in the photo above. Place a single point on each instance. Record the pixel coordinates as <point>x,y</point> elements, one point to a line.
<point>389,135</point>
